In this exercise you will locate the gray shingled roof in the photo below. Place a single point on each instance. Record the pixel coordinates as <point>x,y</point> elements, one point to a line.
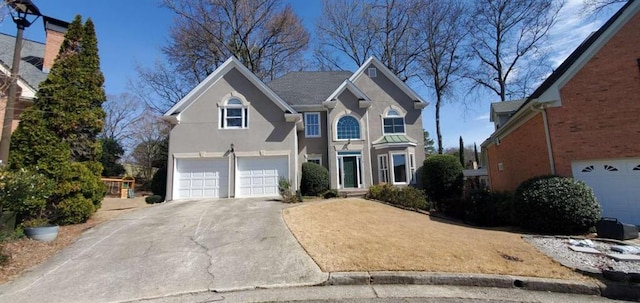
<point>507,106</point>
<point>308,88</point>
<point>32,58</point>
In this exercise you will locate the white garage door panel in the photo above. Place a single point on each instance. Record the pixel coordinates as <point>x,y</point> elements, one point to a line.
<point>202,178</point>
<point>258,176</point>
<point>616,184</point>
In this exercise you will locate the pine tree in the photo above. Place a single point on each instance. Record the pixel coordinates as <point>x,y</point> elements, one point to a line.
<point>58,134</point>
<point>461,153</point>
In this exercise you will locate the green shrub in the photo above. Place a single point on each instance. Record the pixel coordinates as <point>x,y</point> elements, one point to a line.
<point>74,210</point>
<point>159,182</point>
<point>284,188</point>
<point>411,197</point>
<point>315,179</point>
<point>298,195</point>
<point>153,199</point>
<point>329,194</point>
<point>442,180</point>
<point>25,192</point>
<point>405,196</point>
<point>375,192</point>
<point>553,204</point>
<point>487,208</point>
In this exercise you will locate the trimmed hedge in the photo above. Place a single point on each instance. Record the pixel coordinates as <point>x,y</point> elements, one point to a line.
<point>487,208</point>
<point>315,179</point>
<point>404,196</point>
<point>553,204</point>
<point>442,180</point>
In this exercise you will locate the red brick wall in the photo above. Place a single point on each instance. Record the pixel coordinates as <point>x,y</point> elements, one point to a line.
<point>522,152</point>
<point>600,113</point>
<point>52,47</point>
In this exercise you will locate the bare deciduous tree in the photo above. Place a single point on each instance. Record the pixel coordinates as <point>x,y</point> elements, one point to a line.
<point>265,35</point>
<point>358,29</point>
<point>122,112</point>
<point>596,6</point>
<point>442,27</point>
<point>508,34</point>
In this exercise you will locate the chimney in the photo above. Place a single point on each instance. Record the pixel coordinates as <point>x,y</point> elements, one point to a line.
<point>55,30</point>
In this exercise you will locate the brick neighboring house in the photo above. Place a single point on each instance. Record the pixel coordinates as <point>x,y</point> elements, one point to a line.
<point>582,122</point>
<point>37,60</point>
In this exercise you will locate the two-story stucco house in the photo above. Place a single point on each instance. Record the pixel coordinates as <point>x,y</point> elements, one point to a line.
<point>581,122</point>
<point>235,136</point>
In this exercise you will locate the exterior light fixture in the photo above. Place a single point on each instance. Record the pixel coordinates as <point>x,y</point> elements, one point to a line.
<point>21,12</point>
<point>232,148</point>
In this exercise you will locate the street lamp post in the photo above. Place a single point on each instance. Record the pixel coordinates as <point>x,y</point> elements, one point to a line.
<point>20,10</point>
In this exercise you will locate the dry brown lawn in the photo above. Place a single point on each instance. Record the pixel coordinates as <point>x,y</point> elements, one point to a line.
<point>26,253</point>
<point>361,235</point>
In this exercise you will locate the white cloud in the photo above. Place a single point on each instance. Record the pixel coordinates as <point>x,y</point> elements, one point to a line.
<point>482,118</point>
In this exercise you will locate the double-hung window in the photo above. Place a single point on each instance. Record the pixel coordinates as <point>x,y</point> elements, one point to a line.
<point>393,123</point>
<point>234,114</point>
<point>383,168</point>
<point>312,125</point>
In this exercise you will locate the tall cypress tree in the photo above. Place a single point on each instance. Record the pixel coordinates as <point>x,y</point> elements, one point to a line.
<point>58,134</point>
<point>461,153</point>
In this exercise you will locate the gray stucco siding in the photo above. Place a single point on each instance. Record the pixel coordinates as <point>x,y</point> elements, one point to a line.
<point>199,128</point>
<point>385,94</point>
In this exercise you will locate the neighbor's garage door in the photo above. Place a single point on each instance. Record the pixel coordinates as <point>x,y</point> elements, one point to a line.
<point>201,178</point>
<point>616,183</point>
<point>258,176</point>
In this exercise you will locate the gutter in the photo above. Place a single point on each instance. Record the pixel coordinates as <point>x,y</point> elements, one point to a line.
<point>541,107</point>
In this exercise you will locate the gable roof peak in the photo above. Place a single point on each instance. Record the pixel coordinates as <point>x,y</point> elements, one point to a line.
<point>217,74</point>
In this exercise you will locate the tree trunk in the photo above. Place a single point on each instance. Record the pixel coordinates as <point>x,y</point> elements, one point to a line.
<point>438,133</point>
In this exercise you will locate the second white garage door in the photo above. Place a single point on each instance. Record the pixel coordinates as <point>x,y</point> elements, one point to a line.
<point>616,184</point>
<point>258,176</point>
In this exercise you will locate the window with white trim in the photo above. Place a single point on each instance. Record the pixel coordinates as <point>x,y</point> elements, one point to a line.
<point>393,123</point>
<point>399,166</point>
<point>383,168</point>
<point>348,127</point>
<point>412,167</point>
<point>234,114</point>
<point>312,125</point>
<point>316,160</point>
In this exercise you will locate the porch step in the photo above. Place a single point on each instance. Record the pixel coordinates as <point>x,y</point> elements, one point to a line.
<point>353,192</point>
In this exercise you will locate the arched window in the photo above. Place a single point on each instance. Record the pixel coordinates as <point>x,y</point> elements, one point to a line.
<point>393,122</point>
<point>348,128</point>
<point>234,114</point>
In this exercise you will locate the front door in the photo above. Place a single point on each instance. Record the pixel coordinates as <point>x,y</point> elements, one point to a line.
<point>350,167</point>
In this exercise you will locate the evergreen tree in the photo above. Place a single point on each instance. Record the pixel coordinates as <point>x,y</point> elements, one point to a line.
<point>112,151</point>
<point>461,153</point>
<point>475,153</point>
<point>58,134</point>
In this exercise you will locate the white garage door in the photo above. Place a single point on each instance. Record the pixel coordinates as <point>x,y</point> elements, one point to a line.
<point>258,176</point>
<point>201,178</point>
<point>616,184</point>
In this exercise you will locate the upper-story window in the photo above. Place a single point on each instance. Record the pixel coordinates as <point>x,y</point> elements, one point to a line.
<point>393,122</point>
<point>312,125</point>
<point>234,114</point>
<point>348,128</point>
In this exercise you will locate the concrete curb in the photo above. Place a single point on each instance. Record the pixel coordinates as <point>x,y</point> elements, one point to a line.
<point>480,280</point>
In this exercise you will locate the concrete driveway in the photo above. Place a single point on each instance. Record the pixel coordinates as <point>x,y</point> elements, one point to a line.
<point>173,248</point>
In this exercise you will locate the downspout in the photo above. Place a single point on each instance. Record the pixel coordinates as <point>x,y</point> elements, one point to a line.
<point>369,150</point>
<point>541,108</point>
<point>295,156</point>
